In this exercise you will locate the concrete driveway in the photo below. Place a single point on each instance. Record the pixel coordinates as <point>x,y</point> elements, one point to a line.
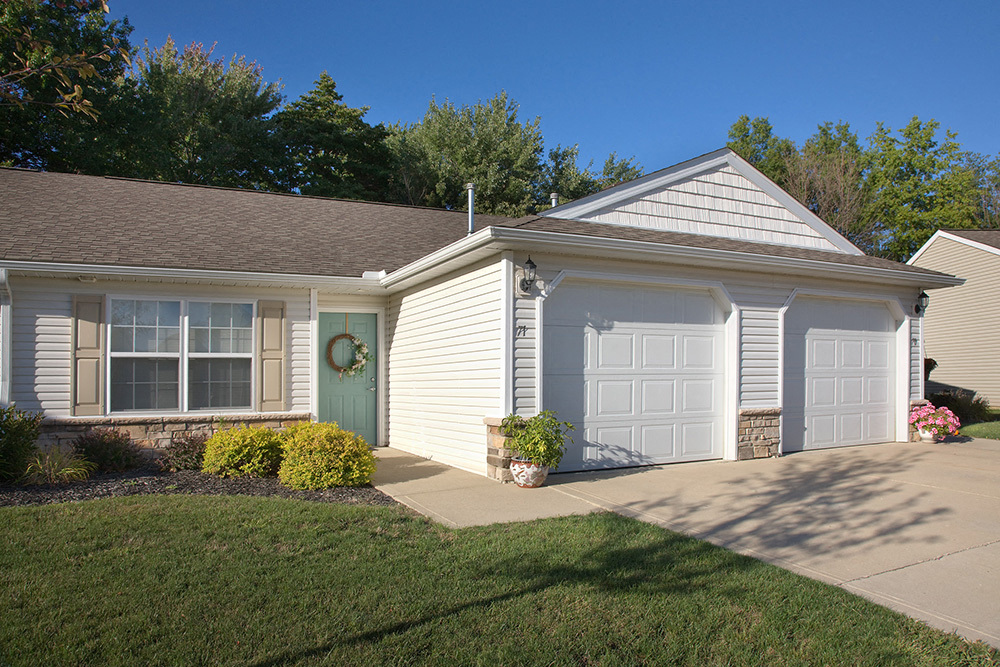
<point>914,527</point>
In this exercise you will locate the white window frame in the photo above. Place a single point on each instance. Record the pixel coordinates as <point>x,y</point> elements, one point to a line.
<point>183,355</point>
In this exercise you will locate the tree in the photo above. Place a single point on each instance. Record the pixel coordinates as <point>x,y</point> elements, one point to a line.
<point>918,185</point>
<point>484,144</point>
<point>57,62</point>
<point>827,177</point>
<point>754,140</point>
<point>561,174</point>
<point>334,152</point>
<point>199,120</point>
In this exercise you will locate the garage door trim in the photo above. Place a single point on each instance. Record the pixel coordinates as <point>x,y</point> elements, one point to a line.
<point>730,313</point>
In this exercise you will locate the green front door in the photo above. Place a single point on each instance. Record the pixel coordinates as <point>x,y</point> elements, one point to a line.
<point>351,401</point>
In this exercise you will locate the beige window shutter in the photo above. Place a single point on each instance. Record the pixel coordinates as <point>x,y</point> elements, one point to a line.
<point>88,355</point>
<point>271,356</point>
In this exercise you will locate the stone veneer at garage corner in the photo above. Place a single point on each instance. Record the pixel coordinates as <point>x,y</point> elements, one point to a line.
<point>497,454</point>
<point>759,433</point>
<point>153,433</point>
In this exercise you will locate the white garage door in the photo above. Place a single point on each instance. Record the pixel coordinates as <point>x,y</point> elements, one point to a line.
<point>638,370</point>
<point>839,374</point>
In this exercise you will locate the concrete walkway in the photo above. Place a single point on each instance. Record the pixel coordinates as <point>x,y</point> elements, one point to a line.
<point>913,527</point>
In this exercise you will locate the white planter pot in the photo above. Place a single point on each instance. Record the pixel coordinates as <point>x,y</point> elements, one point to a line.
<point>527,475</point>
<point>926,436</point>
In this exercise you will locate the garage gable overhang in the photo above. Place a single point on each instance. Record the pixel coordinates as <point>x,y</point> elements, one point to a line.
<point>488,242</point>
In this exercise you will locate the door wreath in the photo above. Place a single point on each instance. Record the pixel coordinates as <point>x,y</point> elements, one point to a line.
<point>361,356</point>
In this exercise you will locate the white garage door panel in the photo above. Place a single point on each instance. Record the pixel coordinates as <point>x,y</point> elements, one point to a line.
<point>838,374</point>
<point>638,370</point>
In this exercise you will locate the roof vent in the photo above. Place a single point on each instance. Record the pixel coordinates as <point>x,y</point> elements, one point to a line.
<point>555,199</point>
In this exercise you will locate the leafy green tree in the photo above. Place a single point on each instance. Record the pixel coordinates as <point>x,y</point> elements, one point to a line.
<point>918,185</point>
<point>334,152</point>
<point>484,144</point>
<point>754,140</point>
<point>562,175</point>
<point>58,61</point>
<point>827,175</point>
<point>987,174</point>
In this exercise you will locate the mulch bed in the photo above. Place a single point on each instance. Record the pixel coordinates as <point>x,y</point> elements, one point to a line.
<point>149,479</point>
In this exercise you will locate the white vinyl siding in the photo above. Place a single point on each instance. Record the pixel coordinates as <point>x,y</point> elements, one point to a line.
<point>42,332</point>
<point>760,342</point>
<point>961,324</point>
<point>445,376</point>
<point>916,360</point>
<point>718,202</point>
<point>525,357</point>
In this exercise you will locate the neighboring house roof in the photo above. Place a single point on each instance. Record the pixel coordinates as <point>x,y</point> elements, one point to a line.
<point>718,194</point>
<point>987,240</point>
<point>69,218</point>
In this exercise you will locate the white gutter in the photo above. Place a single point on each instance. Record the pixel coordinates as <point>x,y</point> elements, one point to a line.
<point>370,282</point>
<point>6,330</point>
<point>503,238</point>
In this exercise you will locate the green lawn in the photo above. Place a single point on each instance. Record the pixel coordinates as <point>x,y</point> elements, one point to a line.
<point>989,430</point>
<point>191,580</point>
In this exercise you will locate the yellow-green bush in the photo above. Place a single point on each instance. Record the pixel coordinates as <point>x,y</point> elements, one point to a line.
<point>318,456</point>
<point>253,451</point>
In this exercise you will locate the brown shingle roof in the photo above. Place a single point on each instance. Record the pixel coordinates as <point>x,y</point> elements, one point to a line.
<point>68,218</point>
<point>623,232</point>
<point>990,237</point>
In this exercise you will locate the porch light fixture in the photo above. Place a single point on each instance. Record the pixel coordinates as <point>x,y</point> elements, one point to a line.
<point>528,281</point>
<point>922,302</point>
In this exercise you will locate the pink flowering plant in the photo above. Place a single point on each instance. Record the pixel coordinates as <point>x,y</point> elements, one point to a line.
<point>937,421</point>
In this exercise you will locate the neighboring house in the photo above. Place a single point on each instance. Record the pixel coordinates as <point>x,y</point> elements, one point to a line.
<point>962,325</point>
<point>697,313</point>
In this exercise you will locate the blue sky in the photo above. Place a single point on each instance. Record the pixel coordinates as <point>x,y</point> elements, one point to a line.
<point>661,81</point>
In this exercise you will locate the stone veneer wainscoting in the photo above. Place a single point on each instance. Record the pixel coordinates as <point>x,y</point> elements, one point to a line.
<point>153,433</point>
<point>759,433</point>
<point>497,455</point>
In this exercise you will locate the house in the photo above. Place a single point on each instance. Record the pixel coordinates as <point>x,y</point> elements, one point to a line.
<point>696,313</point>
<point>962,325</point>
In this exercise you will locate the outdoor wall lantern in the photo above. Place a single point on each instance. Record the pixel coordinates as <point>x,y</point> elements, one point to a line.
<point>528,281</point>
<point>922,302</point>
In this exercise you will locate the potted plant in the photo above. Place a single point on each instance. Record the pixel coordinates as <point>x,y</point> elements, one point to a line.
<point>539,443</point>
<point>932,423</point>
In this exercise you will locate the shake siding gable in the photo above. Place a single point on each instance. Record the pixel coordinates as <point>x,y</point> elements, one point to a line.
<point>718,202</point>
<point>444,356</point>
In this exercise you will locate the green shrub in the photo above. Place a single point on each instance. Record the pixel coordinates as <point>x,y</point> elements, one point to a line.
<point>56,466</point>
<point>969,408</point>
<point>18,434</point>
<point>110,449</point>
<point>319,456</point>
<point>185,453</point>
<point>253,451</point>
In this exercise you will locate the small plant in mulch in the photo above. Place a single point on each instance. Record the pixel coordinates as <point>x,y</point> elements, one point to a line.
<point>18,435</point>
<point>321,456</point>
<point>244,451</point>
<point>57,465</point>
<point>110,449</point>
<point>184,453</point>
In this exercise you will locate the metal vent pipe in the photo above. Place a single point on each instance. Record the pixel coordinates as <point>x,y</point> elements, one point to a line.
<point>471,187</point>
<point>555,199</point>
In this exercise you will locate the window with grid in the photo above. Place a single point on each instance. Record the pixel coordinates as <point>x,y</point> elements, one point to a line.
<point>159,348</point>
<point>220,339</point>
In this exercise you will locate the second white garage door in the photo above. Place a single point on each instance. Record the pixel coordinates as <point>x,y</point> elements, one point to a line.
<point>839,374</point>
<point>638,370</point>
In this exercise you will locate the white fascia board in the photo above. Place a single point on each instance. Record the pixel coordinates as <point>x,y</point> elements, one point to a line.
<point>556,242</point>
<point>495,239</point>
<point>68,270</point>
<point>957,239</point>
<point>698,165</point>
